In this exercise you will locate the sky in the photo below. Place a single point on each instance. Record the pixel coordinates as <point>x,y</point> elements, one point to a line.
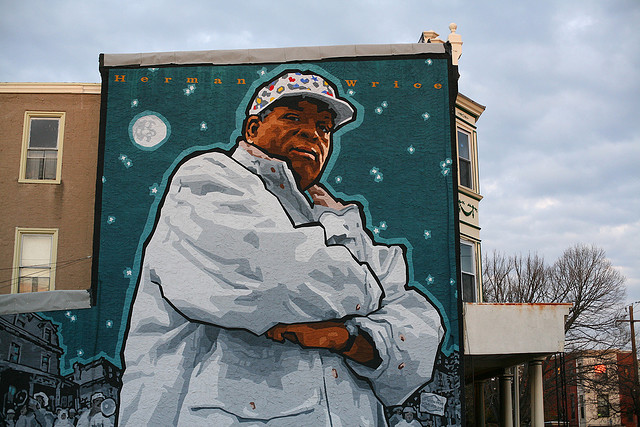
<point>559,147</point>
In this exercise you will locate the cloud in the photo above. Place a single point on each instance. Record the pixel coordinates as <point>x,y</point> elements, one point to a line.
<point>559,149</point>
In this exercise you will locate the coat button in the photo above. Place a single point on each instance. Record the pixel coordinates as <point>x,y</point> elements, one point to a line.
<point>281,185</point>
<point>401,337</point>
<point>273,169</point>
<point>358,307</point>
<point>334,373</point>
<point>253,405</point>
<point>400,366</point>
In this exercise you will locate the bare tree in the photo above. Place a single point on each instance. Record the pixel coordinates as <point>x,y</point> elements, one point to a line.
<point>582,275</point>
<point>514,278</point>
<point>585,277</point>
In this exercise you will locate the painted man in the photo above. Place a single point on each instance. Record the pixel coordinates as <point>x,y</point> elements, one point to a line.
<point>93,416</point>
<point>262,298</point>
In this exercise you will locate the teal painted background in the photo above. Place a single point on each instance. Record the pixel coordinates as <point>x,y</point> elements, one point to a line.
<point>402,131</point>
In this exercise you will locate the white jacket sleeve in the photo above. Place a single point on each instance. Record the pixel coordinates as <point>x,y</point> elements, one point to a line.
<point>225,252</point>
<point>406,330</point>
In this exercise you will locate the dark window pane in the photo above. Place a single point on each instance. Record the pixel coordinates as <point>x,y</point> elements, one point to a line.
<point>468,288</point>
<point>465,173</point>
<point>43,133</point>
<point>603,406</point>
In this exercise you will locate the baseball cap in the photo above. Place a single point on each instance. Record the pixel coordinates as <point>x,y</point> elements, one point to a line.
<point>97,395</point>
<point>302,84</point>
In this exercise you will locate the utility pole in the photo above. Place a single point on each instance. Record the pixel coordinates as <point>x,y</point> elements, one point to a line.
<point>633,346</point>
<point>634,355</point>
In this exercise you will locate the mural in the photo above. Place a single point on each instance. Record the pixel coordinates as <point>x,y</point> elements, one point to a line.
<point>277,246</point>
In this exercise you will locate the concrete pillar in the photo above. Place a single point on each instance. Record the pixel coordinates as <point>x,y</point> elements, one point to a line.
<point>478,388</point>
<point>506,406</point>
<point>537,405</point>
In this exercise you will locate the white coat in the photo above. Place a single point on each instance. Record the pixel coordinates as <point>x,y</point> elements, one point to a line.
<point>237,249</point>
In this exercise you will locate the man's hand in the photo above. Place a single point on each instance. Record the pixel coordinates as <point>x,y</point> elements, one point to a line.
<point>331,335</point>
<point>322,197</point>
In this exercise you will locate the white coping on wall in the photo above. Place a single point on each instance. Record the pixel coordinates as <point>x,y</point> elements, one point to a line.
<point>44,301</point>
<point>253,56</point>
<point>493,329</point>
<point>90,88</point>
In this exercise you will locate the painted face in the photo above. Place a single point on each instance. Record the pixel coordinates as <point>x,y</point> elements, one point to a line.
<point>97,402</point>
<point>300,133</point>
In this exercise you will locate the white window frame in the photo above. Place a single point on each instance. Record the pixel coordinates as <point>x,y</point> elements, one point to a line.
<point>17,256</point>
<point>26,134</point>
<point>474,267</point>
<point>471,159</point>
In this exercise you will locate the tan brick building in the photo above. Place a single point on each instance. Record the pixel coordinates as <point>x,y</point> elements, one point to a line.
<point>48,145</point>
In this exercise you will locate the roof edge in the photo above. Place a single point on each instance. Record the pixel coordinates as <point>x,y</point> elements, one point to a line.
<point>251,56</point>
<point>32,87</point>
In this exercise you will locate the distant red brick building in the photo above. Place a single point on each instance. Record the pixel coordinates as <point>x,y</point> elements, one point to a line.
<point>592,388</point>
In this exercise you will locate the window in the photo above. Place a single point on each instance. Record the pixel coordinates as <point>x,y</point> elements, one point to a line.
<point>47,335</point>
<point>20,320</point>
<point>603,406</point>
<point>581,405</point>
<point>464,159</point>
<point>14,353</point>
<point>34,260</point>
<point>44,364</point>
<point>468,269</point>
<point>572,399</point>
<point>42,147</point>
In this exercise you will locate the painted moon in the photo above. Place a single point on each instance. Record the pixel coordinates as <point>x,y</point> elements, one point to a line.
<point>149,130</point>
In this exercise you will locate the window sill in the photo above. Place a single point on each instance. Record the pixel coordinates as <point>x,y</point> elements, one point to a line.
<point>38,181</point>
<point>44,301</point>
<point>469,192</point>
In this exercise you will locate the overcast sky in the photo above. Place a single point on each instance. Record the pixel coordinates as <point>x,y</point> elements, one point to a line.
<point>559,141</point>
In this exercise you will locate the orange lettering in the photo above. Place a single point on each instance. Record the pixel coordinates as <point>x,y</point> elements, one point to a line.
<point>166,79</point>
<point>351,82</point>
<point>192,80</point>
<point>119,77</point>
<point>241,82</point>
<point>395,84</point>
<point>417,85</point>
<point>217,82</point>
<point>144,79</point>
<point>374,84</point>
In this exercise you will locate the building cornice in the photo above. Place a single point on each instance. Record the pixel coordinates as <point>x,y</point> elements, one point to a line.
<point>88,88</point>
<point>469,105</point>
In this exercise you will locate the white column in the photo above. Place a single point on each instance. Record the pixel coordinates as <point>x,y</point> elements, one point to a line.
<point>537,406</point>
<point>506,406</point>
